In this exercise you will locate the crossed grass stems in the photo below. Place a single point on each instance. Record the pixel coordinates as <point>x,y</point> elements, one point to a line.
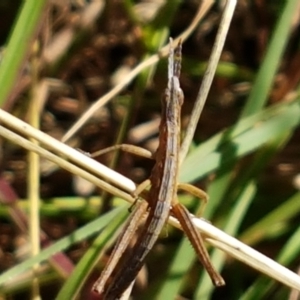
<point>251,257</point>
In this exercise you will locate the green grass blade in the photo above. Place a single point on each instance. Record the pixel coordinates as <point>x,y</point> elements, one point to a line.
<point>242,192</point>
<point>289,253</point>
<point>181,261</point>
<point>263,285</point>
<point>64,243</point>
<point>72,286</point>
<point>19,44</point>
<point>235,218</point>
<point>263,228</point>
<point>252,133</point>
<point>265,77</point>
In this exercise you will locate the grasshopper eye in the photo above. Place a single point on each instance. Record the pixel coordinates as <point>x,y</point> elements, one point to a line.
<point>180,96</point>
<point>177,90</point>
